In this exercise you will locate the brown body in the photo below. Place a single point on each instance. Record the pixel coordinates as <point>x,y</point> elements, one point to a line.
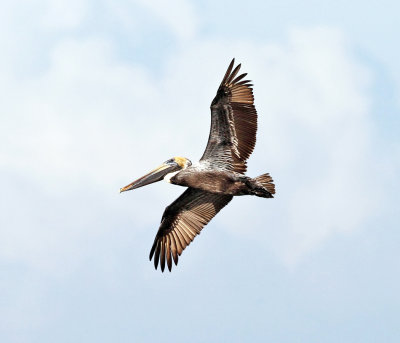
<point>220,182</point>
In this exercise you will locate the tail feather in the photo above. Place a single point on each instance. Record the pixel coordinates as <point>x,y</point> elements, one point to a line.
<point>266,181</point>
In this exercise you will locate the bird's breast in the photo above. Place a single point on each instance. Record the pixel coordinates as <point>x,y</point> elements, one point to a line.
<point>222,182</point>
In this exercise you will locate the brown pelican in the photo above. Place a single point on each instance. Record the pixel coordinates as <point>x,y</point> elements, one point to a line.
<point>216,178</point>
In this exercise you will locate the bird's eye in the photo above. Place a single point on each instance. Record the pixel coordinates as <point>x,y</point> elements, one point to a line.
<point>169,161</point>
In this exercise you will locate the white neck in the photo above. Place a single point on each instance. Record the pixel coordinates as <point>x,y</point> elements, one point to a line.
<point>170,175</point>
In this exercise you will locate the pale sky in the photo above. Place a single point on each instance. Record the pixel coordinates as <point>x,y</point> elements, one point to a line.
<point>95,94</point>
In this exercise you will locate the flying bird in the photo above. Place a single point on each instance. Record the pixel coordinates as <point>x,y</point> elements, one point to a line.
<point>216,178</point>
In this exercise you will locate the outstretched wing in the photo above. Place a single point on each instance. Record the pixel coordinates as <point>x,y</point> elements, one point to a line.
<point>182,221</point>
<point>233,123</point>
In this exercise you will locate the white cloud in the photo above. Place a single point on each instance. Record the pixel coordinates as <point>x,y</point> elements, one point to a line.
<point>62,14</point>
<point>178,15</point>
<point>78,120</point>
<point>328,165</point>
<point>84,122</point>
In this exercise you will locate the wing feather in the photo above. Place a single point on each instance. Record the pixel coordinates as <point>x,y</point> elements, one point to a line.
<point>168,247</point>
<point>182,221</point>
<point>162,253</point>
<point>233,123</point>
<point>174,248</point>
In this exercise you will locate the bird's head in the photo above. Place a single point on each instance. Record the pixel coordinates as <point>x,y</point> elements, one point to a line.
<point>168,168</point>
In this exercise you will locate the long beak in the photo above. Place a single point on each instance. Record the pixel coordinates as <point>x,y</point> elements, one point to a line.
<point>154,176</point>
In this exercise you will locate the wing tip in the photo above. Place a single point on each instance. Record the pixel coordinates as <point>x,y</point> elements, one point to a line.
<point>230,74</point>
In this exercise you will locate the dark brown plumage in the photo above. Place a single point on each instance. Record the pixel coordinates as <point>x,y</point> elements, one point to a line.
<point>217,177</point>
<point>233,123</point>
<point>182,221</point>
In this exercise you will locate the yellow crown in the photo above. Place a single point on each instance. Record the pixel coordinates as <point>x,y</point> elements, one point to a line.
<point>182,161</point>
